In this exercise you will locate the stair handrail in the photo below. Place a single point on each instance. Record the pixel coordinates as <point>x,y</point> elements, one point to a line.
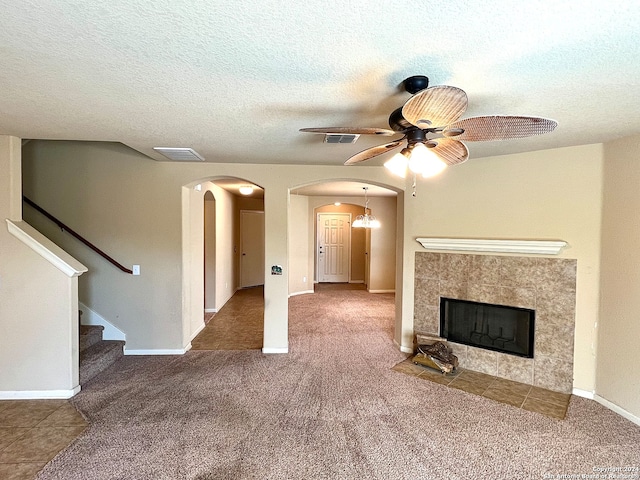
<point>70,231</point>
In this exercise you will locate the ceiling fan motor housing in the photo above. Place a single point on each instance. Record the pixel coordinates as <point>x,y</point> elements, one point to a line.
<point>415,83</point>
<point>415,135</point>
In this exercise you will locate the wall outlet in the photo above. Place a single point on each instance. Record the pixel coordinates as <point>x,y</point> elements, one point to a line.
<point>136,269</point>
<point>304,279</point>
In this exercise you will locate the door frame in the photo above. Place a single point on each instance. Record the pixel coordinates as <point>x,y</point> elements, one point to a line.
<point>241,227</point>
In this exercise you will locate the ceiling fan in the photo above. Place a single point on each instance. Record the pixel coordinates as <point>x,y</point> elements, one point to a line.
<point>430,124</point>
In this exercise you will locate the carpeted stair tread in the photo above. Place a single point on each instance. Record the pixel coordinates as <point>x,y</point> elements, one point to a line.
<point>90,335</point>
<point>98,357</point>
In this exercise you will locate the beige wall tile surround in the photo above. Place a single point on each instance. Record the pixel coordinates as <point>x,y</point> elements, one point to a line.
<point>515,368</point>
<point>547,285</point>
<point>481,360</point>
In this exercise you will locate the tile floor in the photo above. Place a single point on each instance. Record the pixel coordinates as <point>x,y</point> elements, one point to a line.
<point>32,432</point>
<point>520,395</point>
<point>238,325</point>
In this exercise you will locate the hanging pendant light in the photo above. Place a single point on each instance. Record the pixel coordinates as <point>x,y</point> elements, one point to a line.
<point>367,220</point>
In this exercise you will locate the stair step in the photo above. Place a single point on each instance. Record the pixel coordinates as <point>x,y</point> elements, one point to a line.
<point>90,335</point>
<point>99,357</point>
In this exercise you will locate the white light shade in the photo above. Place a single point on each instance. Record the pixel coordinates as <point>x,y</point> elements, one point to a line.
<point>398,164</point>
<point>246,190</point>
<point>425,162</point>
<point>366,221</point>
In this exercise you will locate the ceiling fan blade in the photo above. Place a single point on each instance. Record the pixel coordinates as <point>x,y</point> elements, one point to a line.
<point>373,152</point>
<point>435,106</point>
<point>450,151</point>
<point>499,127</point>
<point>351,130</point>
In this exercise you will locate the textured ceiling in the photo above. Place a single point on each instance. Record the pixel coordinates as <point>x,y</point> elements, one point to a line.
<point>236,80</point>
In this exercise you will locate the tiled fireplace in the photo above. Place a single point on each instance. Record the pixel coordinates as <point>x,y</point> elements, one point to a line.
<point>546,285</point>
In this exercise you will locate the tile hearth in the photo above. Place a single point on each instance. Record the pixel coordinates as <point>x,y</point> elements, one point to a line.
<point>519,395</point>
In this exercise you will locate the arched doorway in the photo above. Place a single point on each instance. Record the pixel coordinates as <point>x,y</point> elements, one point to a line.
<point>212,210</point>
<point>383,248</point>
<point>374,260</point>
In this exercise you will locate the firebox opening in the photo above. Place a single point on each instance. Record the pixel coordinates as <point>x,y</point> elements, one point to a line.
<point>493,327</point>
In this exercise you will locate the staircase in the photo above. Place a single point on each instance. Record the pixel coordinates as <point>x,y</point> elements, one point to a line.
<point>96,354</point>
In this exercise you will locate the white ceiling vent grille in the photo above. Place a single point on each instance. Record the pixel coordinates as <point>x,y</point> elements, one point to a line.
<point>340,138</point>
<point>180,154</point>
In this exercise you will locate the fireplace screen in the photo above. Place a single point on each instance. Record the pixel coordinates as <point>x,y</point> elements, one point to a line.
<point>494,327</point>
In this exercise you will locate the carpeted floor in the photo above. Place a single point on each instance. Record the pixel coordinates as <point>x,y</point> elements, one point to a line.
<point>332,408</point>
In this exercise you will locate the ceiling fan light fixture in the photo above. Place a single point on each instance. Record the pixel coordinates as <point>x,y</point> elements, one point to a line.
<point>367,220</point>
<point>246,189</point>
<point>398,163</point>
<point>424,162</point>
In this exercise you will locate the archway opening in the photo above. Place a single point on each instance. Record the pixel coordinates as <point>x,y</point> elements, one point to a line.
<point>212,261</point>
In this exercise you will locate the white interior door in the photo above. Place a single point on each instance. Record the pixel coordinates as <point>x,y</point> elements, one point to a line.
<point>333,247</point>
<point>251,248</point>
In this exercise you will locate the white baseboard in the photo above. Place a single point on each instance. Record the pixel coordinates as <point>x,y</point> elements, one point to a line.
<point>210,310</point>
<point>275,350</point>
<point>583,393</point>
<point>382,291</point>
<point>356,281</point>
<point>402,348</point>
<point>198,330</point>
<point>38,394</point>
<point>304,292</point>
<point>159,351</point>
<point>619,410</point>
<point>110,332</point>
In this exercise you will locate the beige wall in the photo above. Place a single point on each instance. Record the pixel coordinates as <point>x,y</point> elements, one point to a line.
<point>549,194</point>
<point>301,249</point>
<point>618,376</point>
<point>382,246</point>
<point>38,304</point>
<point>132,208</point>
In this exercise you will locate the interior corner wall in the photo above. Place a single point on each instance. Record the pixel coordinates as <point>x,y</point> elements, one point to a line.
<point>618,378</point>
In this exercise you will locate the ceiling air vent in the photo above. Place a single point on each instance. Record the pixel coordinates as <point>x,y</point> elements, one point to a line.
<point>340,138</point>
<point>180,154</point>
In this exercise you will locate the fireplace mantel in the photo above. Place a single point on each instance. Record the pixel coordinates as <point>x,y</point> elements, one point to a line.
<point>545,247</point>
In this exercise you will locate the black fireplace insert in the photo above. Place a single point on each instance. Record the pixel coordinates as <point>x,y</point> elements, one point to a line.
<point>493,327</point>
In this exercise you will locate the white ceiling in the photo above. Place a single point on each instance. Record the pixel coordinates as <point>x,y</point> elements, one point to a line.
<point>236,80</point>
